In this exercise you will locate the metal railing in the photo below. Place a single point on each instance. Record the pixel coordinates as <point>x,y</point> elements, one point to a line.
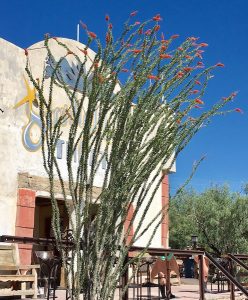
<point>143,290</point>
<point>229,276</point>
<point>237,257</point>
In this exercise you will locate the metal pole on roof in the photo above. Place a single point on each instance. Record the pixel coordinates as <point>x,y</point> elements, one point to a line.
<point>77,32</point>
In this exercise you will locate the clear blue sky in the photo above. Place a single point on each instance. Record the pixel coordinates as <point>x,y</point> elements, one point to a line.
<point>223,24</point>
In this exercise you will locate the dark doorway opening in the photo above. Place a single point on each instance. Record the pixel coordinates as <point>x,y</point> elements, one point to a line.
<point>43,217</point>
<point>43,229</point>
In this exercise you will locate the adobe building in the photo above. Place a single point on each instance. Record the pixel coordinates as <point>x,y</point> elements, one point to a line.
<point>25,207</point>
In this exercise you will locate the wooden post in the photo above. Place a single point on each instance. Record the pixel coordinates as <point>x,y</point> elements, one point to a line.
<point>125,280</point>
<point>232,293</point>
<point>168,283</point>
<point>23,289</point>
<point>201,277</point>
<point>35,283</point>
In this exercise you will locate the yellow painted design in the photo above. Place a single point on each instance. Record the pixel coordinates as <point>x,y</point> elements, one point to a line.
<point>30,97</point>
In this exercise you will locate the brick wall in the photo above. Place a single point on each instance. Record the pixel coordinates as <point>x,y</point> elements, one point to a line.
<point>165,221</point>
<point>127,223</point>
<point>25,222</point>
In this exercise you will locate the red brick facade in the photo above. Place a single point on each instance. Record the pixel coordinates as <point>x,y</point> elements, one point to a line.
<point>127,223</point>
<point>25,222</point>
<point>165,203</point>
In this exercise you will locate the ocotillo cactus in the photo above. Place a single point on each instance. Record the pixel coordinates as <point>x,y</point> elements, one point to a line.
<point>133,106</point>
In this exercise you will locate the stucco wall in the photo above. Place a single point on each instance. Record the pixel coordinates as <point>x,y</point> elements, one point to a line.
<point>11,90</point>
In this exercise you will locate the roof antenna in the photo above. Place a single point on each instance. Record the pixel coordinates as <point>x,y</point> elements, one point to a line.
<point>77,32</point>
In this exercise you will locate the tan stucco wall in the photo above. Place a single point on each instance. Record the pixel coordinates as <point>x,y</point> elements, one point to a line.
<point>11,89</point>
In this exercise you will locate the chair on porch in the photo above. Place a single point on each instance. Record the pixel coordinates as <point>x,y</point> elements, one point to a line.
<point>49,271</point>
<point>16,279</point>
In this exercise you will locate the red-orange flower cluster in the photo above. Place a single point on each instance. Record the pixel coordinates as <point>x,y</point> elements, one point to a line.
<point>188,69</point>
<point>203,44</point>
<point>165,42</point>
<point>156,28</point>
<point>199,101</point>
<point>163,48</point>
<point>220,65</point>
<point>188,56</point>
<point>193,39</point>
<point>92,34</point>
<point>180,74</point>
<point>174,36</point>
<point>134,13</point>
<point>148,32</point>
<point>84,26</point>
<point>153,77</point>
<point>165,56</point>
<point>108,37</point>
<point>136,51</point>
<point>195,92</point>
<point>157,18</point>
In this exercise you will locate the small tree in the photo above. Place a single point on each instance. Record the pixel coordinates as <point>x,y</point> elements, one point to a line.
<point>217,216</point>
<point>141,127</point>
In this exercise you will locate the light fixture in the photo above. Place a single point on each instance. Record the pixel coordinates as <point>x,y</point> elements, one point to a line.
<point>194,240</point>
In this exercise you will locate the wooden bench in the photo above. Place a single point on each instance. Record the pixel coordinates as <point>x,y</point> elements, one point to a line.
<point>15,278</point>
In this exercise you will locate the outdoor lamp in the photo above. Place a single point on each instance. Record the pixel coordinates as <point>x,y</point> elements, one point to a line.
<point>194,240</point>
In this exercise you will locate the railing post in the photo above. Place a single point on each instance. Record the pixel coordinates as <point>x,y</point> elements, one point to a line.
<point>232,293</point>
<point>201,278</point>
<point>168,283</point>
<point>125,280</point>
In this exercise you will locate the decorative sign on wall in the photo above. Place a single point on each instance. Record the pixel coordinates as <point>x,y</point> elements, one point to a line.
<point>31,135</point>
<point>31,132</point>
<point>67,73</point>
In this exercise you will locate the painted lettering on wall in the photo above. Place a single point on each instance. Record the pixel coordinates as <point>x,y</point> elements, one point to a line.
<point>61,150</point>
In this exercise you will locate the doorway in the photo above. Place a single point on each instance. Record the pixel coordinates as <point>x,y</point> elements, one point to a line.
<point>43,219</point>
